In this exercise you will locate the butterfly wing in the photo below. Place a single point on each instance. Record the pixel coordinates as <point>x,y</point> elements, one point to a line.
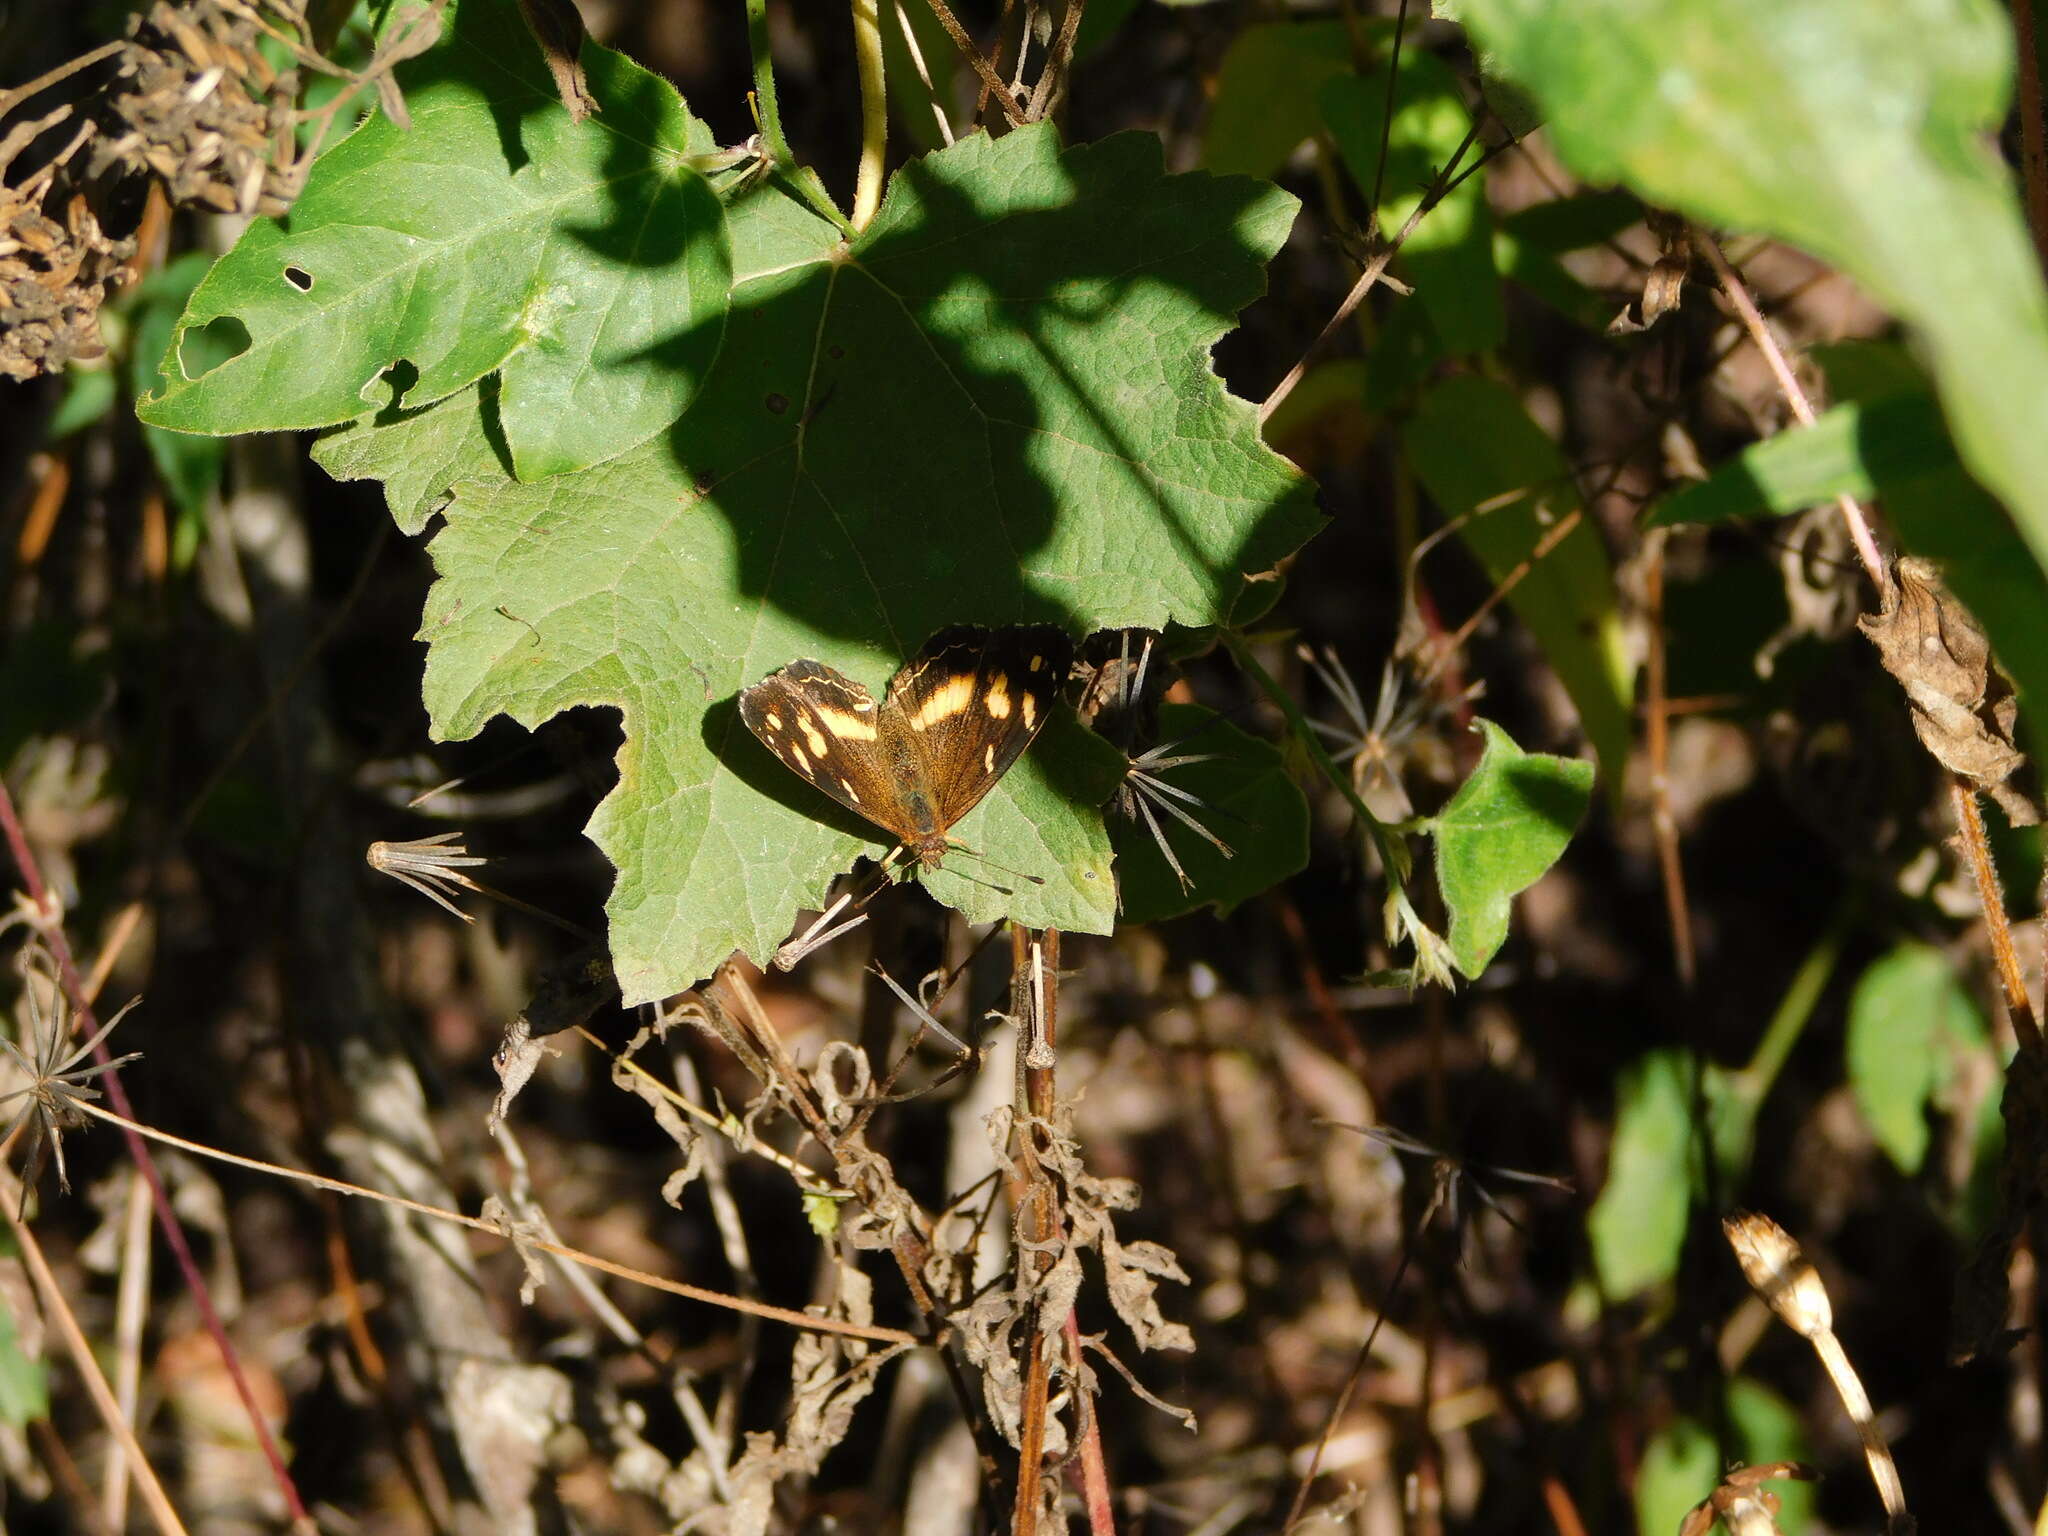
<point>970,702</point>
<point>824,727</point>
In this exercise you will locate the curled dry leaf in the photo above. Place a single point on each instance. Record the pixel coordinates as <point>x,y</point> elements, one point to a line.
<point>1963,707</point>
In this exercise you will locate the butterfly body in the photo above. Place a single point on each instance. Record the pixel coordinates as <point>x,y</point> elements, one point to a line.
<point>952,722</point>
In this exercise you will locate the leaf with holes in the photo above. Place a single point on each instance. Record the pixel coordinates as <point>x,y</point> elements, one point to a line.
<point>995,406</point>
<point>586,264</point>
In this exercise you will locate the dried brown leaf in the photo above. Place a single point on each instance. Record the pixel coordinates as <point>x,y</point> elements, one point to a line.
<point>1963,708</point>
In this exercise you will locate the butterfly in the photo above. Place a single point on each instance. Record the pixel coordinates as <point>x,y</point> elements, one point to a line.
<point>953,721</point>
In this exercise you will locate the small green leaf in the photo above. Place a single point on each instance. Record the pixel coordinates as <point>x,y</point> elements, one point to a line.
<point>1246,798</point>
<point>88,396</point>
<point>1573,223</point>
<point>1449,256</point>
<point>1852,450</point>
<point>1504,827</point>
<point>1264,106</point>
<point>1483,460</point>
<point>1637,1225</point>
<point>24,1382</point>
<point>1910,1021</point>
<point>586,262</point>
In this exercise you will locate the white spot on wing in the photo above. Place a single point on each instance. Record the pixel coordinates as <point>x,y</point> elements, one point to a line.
<point>944,704</point>
<point>998,700</point>
<point>851,793</point>
<point>811,735</point>
<point>1030,712</point>
<point>847,727</point>
<point>988,758</point>
<point>772,720</point>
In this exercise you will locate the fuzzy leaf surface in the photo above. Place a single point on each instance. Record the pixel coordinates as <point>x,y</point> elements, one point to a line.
<point>586,263</point>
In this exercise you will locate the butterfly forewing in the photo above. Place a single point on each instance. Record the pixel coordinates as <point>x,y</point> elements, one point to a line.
<point>954,720</point>
<point>825,727</point>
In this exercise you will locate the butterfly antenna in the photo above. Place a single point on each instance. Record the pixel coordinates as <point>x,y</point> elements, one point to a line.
<point>1000,869</point>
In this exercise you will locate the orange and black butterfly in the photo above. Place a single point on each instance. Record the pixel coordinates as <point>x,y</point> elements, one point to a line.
<point>953,721</point>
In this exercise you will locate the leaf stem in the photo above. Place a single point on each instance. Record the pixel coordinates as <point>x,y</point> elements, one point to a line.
<point>874,110</point>
<point>766,112</point>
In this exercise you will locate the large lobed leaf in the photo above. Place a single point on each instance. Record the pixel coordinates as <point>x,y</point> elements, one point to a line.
<point>994,406</point>
<point>585,263</point>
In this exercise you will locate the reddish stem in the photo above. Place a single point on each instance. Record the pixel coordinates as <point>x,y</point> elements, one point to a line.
<point>138,1150</point>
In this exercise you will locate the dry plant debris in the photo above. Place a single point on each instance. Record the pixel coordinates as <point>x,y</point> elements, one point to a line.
<point>1963,706</point>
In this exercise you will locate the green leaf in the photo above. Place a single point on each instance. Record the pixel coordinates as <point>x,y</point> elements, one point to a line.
<point>1544,276</point>
<point>420,454</point>
<point>190,467</point>
<point>1246,798</point>
<point>994,406</point>
<point>1864,133</point>
<point>1449,256</point>
<point>1483,460</point>
<point>585,262</point>
<point>1573,223</point>
<point>1504,827</point>
<point>88,396</point>
<point>24,1381</point>
<point>1854,449</point>
<point>1910,1020</point>
<point>1264,105</point>
<point>1637,1225</point>
<point>1682,1463</point>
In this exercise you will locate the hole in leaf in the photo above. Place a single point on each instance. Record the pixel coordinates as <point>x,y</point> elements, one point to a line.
<point>201,349</point>
<point>299,278</point>
<point>387,391</point>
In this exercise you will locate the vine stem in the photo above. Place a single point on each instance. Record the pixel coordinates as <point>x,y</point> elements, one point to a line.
<point>52,932</point>
<point>804,1320</point>
<point>1752,318</point>
<point>1977,850</point>
<point>58,1307</point>
<point>1375,269</point>
<point>874,111</point>
<point>767,113</point>
<point>1393,855</point>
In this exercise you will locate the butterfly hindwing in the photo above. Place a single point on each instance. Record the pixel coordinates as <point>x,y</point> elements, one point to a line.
<point>972,701</point>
